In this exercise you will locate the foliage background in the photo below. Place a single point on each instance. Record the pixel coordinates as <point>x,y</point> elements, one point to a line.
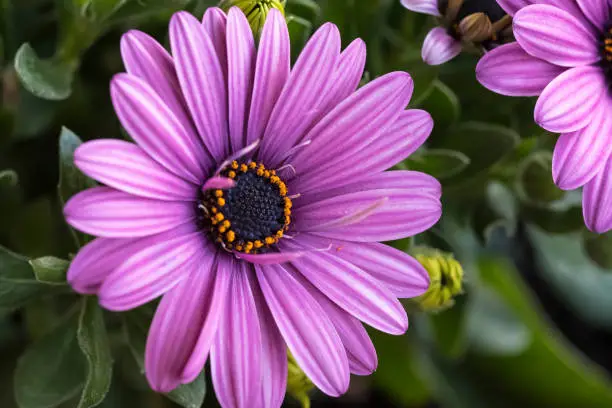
<point>533,328</point>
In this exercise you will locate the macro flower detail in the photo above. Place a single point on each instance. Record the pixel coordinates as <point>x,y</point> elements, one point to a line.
<point>474,24</point>
<point>254,200</point>
<point>446,280</point>
<point>563,54</point>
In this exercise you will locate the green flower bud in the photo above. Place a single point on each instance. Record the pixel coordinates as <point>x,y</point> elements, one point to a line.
<point>446,280</point>
<point>256,11</point>
<point>298,384</point>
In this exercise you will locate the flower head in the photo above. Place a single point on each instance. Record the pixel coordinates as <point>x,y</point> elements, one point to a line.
<point>253,200</point>
<point>479,24</point>
<point>563,54</point>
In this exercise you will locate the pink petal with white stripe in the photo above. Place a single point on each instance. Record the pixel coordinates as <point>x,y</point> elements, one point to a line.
<point>568,102</point>
<point>597,200</point>
<point>509,70</point>
<point>201,77</point>
<point>422,6</point>
<point>439,47</point>
<point>126,167</point>
<point>306,328</point>
<point>235,356</point>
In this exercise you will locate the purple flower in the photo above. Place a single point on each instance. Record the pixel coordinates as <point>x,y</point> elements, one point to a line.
<point>253,201</point>
<point>481,24</point>
<point>563,54</point>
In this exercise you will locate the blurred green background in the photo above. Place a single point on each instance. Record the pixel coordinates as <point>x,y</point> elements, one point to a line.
<point>533,328</point>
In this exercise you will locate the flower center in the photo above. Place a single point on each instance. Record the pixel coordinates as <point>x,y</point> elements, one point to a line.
<point>606,50</point>
<point>251,216</point>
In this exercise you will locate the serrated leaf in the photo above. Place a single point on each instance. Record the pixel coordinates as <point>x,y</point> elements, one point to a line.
<point>93,341</point>
<point>49,269</point>
<point>44,78</point>
<point>71,179</point>
<point>50,372</point>
<point>440,163</point>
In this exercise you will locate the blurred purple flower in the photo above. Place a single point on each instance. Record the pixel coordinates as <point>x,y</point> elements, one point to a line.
<point>254,200</point>
<point>563,54</point>
<point>481,24</point>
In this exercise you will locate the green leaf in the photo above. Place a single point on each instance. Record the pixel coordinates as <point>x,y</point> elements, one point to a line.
<point>49,269</point>
<point>599,248</point>
<point>44,78</point>
<point>493,328</point>
<point>18,285</point>
<point>469,139</point>
<point>584,286</point>
<point>534,181</point>
<point>142,9</point>
<point>440,163</point>
<point>94,343</point>
<point>50,372</point>
<point>550,373</point>
<point>190,395</point>
<point>443,105</point>
<point>71,179</point>
<point>562,216</point>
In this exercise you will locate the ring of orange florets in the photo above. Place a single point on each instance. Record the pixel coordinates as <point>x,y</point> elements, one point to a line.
<point>220,225</point>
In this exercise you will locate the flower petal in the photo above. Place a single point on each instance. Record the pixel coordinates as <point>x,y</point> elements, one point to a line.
<point>555,35</point>
<point>360,351</point>
<point>109,213</point>
<point>219,294</point>
<point>351,288</point>
<point>407,133</point>
<point>597,200</point>
<point>151,272</point>
<point>306,328</point>
<point>597,11</point>
<point>439,47</point>
<point>403,213</point>
<point>509,70</point>
<point>188,309</point>
<point>236,353</point>
<point>96,260</point>
<point>346,77</point>
<point>241,63</point>
<point>354,123</point>
<point>422,6</point>
<point>512,6</point>
<point>568,102</point>
<point>128,168</point>
<point>201,77</point>
<point>156,129</point>
<point>271,73</point>
<point>270,257</point>
<point>274,353</point>
<point>214,22</point>
<point>401,273</point>
<point>302,94</point>
<point>579,155</point>
<point>145,58</point>
<point>394,179</point>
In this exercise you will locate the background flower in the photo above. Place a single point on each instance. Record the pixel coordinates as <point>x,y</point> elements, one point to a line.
<point>562,55</point>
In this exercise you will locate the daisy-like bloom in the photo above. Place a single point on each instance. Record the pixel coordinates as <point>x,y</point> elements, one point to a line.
<point>253,201</point>
<point>563,54</point>
<point>476,24</point>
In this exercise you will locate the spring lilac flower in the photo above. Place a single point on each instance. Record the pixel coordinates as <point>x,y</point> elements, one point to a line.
<point>479,24</point>
<point>563,54</point>
<point>253,201</point>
